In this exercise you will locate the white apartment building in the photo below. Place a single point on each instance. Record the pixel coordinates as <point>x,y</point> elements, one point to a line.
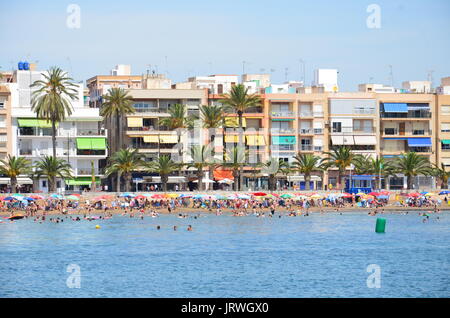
<point>80,139</point>
<point>216,84</point>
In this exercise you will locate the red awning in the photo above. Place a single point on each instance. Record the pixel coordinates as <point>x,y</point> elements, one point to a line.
<point>223,174</point>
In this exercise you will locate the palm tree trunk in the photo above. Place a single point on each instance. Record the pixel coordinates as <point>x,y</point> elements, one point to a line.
<point>54,149</point>
<point>339,180</point>
<point>119,129</point>
<point>307,181</point>
<point>14,184</point>
<point>200,179</point>
<point>118,182</point>
<point>241,144</point>
<point>409,181</point>
<point>211,167</point>
<point>127,178</point>
<point>235,175</point>
<point>51,184</point>
<point>164,179</point>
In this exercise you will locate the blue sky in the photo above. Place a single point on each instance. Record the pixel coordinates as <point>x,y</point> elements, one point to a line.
<point>200,37</point>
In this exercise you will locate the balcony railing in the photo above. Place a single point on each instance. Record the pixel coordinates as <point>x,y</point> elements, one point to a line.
<point>364,111</point>
<point>415,132</point>
<point>86,172</point>
<point>305,114</point>
<point>352,131</point>
<point>282,114</point>
<point>410,114</point>
<point>306,130</point>
<point>91,132</point>
<point>254,110</point>
<point>282,147</point>
<point>82,152</point>
<point>305,147</point>
<point>25,152</point>
<point>318,114</point>
<point>282,131</point>
<point>318,131</point>
<point>148,128</point>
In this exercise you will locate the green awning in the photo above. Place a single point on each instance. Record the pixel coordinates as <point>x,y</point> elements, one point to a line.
<point>284,140</point>
<point>91,143</point>
<point>81,181</point>
<point>98,143</point>
<point>446,141</point>
<point>33,122</point>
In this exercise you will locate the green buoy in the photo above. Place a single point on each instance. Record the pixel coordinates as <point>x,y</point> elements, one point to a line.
<point>380,226</point>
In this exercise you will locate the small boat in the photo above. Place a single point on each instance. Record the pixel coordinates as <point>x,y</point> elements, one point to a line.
<point>16,217</point>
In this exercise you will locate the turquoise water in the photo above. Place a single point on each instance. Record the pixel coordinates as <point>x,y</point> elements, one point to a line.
<point>225,256</point>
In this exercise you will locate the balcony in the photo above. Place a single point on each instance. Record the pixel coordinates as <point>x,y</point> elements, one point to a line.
<point>318,131</point>
<point>25,152</point>
<point>408,115</point>
<point>305,148</point>
<point>87,172</point>
<point>305,114</point>
<point>352,131</point>
<point>318,114</point>
<point>364,111</point>
<point>282,114</point>
<point>86,152</point>
<point>282,147</point>
<point>280,131</point>
<point>254,110</point>
<point>90,132</point>
<point>306,131</point>
<point>397,132</point>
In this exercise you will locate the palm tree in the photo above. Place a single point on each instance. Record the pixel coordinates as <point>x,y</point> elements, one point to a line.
<point>93,181</point>
<point>442,174</point>
<point>235,159</point>
<point>124,162</point>
<point>212,117</point>
<point>272,167</point>
<point>412,165</point>
<point>117,103</point>
<point>164,166</point>
<point>177,119</point>
<point>52,98</point>
<point>201,159</point>
<point>238,100</point>
<point>12,167</point>
<point>52,168</point>
<point>377,166</point>
<point>307,164</point>
<point>340,158</point>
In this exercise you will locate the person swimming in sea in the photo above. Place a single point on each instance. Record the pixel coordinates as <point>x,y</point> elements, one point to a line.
<point>189,228</point>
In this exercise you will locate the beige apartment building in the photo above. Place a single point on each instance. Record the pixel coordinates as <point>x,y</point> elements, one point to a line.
<point>5,121</point>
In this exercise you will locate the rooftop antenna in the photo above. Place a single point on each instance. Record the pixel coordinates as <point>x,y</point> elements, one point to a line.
<point>430,77</point>
<point>149,67</point>
<point>302,66</point>
<point>391,75</point>
<point>286,72</point>
<point>165,61</point>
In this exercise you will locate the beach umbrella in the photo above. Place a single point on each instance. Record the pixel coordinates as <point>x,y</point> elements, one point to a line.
<point>429,194</point>
<point>414,195</point>
<point>360,193</point>
<point>37,197</point>
<point>383,197</point>
<point>259,194</point>
<point>172,195</point>
<point>384,192</point>
<point>10,198</point>
<point>140,196</point>
<point>127,194</point>
<point>101,197</point>
<point>73,198</point>
<point>56,196</point>
<point>228,181</point>
<point>158,196</point>
<point>347,195</point>
<point>444,192</point>
<point>374,193</point>
<point>220,197</point>
<point>286,196</point>
<point>243,196</point>
<point>316,196</point>
<point>185,195</point>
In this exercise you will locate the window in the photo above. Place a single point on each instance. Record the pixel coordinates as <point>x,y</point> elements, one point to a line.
<point>44,184</point>
<point>3,140</point>
<point>337,126</point>
<point>445,127</point>
<point>2,104</point>
<point>445,109</point>
<point>2,121</point>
